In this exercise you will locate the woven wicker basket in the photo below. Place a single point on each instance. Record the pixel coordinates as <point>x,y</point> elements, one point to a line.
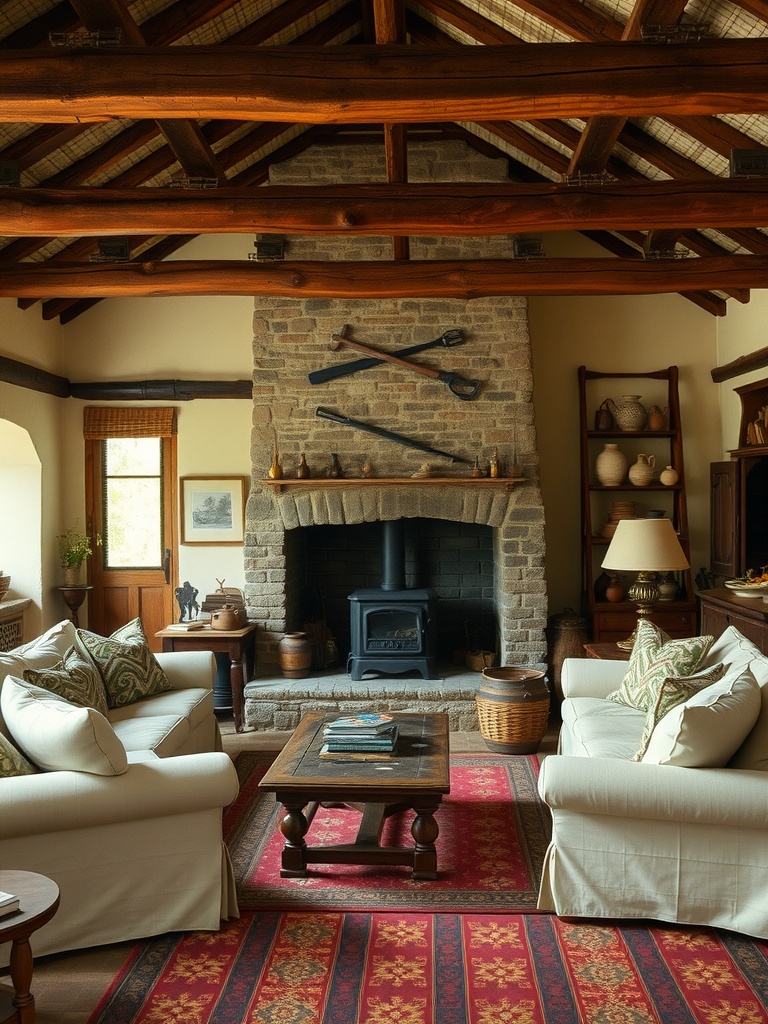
<point>513,709</point>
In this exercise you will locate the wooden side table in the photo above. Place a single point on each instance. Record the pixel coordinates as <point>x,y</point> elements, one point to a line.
<point>606,652</point>
<point>73,599</point>
<point>39,901</point>
<point>239,644</point>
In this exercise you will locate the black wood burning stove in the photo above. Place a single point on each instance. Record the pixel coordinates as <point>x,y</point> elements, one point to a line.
<point>393,626</point>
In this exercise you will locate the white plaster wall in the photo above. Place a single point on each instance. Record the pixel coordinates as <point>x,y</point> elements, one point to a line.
<point>25,337</point>
<point>188,338</point>
<point>615,334</point>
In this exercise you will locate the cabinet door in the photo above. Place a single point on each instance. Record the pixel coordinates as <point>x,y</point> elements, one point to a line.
<point>724,518</point>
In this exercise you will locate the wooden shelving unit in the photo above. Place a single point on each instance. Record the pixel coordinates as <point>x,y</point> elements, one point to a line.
<point>499,482</point>
<point>615,621</point>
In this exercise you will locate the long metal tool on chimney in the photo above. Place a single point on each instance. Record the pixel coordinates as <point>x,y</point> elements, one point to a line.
<point>447,340</point>
<point>370,428</point>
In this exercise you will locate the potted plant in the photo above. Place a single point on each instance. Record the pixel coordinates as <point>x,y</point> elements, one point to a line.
<point>74,548</point>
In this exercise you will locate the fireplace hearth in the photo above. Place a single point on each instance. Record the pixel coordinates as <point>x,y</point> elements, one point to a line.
<point>393,627</point>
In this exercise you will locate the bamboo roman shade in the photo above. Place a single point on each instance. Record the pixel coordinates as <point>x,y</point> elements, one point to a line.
<point>100,422</point>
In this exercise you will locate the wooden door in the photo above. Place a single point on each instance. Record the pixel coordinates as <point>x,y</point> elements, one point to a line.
<point>123,592</point>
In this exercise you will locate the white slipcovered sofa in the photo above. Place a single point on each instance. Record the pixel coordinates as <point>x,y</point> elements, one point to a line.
<point>680,835</point>
<point>122,809</point>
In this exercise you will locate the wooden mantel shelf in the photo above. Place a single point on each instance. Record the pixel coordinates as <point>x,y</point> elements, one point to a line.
<point>502,482</point>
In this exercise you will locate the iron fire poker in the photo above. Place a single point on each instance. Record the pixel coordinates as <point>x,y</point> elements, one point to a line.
<point>370,428</point>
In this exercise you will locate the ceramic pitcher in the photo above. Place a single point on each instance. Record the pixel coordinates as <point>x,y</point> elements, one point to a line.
<point>629,414</point>
<point>641,472</point>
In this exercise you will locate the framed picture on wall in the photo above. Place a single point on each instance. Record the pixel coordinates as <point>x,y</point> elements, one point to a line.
<point>213,509</point>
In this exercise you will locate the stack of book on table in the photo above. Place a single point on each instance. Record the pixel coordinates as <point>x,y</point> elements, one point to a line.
<point>364,734</point>
<point>8,903</point>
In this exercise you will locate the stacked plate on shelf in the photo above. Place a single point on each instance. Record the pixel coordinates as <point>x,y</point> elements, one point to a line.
<point>619,510</point>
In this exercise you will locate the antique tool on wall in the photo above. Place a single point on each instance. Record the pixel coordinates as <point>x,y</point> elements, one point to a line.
<point>458,385</point>
<point>370,428</point>
<point>448,340</point>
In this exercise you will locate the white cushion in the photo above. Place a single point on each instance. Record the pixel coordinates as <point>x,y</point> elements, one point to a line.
<point>734,649</point>
<point>56,735</point>
<point>707,729</point>
<point>41,653</point>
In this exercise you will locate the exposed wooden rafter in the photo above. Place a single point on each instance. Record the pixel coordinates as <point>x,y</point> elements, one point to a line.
<point>380,279</point>
<point>337,85</point>
<point>469,208</point>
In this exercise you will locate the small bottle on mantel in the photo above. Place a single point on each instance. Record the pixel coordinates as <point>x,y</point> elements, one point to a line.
<point>276,469</point>
<point>334,470</point>
<point>494,467</point>
<point>303,471</point>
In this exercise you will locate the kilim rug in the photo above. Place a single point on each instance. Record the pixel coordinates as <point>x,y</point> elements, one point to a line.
<point>356,968</point>
<point>494,831</point>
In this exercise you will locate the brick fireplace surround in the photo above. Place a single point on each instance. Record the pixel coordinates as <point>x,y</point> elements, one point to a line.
<point>307,547</point>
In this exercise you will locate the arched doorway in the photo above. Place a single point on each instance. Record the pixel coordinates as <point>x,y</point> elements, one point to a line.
<point>20,520</point>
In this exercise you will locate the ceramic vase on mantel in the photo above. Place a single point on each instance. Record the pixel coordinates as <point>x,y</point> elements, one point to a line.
<point>294,654</point>
<point>611,465</point>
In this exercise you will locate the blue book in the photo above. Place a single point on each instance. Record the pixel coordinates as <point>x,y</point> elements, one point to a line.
<point>365,723</point>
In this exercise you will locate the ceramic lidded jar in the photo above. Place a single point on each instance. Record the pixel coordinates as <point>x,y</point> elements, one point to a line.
<point>641,472</point>
<point>630,414</point>
<point>294,653</point>
<point>611,465</point>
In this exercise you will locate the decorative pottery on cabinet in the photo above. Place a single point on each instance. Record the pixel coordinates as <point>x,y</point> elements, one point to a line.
<point>669,476</point>
<point>611,465</point>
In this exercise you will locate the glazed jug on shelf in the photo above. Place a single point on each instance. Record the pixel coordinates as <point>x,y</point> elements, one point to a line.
<point>656,418</point>
<point>641,472</point>
<point>629,414</point>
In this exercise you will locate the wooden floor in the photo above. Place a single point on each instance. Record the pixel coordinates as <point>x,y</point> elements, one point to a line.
<point>67,986</point>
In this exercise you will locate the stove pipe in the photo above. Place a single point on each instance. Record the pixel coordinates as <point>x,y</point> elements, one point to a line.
<point>393,555</point>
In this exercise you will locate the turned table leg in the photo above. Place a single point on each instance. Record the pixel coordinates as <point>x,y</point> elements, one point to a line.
<point>425,831</point>
<point>21,979</point>
<point>294,827</point>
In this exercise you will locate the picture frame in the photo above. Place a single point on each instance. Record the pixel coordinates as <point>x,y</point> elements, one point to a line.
<point>213,509</point>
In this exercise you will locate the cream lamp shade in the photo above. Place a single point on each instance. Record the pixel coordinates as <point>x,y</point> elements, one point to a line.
<point>645,545</point>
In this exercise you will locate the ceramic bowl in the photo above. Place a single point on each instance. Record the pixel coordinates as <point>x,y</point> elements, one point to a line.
<point>744,590</point>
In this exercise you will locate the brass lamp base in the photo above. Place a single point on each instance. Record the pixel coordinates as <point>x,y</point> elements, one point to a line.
<point>644,592</point>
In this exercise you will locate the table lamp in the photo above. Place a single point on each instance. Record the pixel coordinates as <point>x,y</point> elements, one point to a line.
<point>647,547</point>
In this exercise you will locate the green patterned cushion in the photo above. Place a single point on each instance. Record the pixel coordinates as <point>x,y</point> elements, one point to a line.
<point>672,691</point>
<point>129,669</point>
<point>75,678</point>
<point>654,658</point>
<point>12,761</point>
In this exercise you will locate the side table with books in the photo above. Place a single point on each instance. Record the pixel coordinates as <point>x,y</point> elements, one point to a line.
<point>38,901</point>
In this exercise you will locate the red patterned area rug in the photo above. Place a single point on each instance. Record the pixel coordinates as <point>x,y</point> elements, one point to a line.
<point>494,831</point>
<point>355,968</point>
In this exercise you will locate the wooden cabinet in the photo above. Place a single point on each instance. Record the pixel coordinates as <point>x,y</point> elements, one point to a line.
<point>721,608</point>
<point>739,495</point>
<point>615,621</point>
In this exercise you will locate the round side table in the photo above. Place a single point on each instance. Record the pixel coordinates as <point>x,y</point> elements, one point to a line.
<point>39,901</point>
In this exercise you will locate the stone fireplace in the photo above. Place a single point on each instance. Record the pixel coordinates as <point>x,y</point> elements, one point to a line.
<point>478,544</point>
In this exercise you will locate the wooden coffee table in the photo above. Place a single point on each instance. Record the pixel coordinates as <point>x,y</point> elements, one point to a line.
<point>415,777</point>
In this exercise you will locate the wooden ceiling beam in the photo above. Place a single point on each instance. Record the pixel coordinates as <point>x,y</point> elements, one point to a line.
<point>389,27</point>
<point>321,85</point>
<point>379,279</point>
<point>469,208</point>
